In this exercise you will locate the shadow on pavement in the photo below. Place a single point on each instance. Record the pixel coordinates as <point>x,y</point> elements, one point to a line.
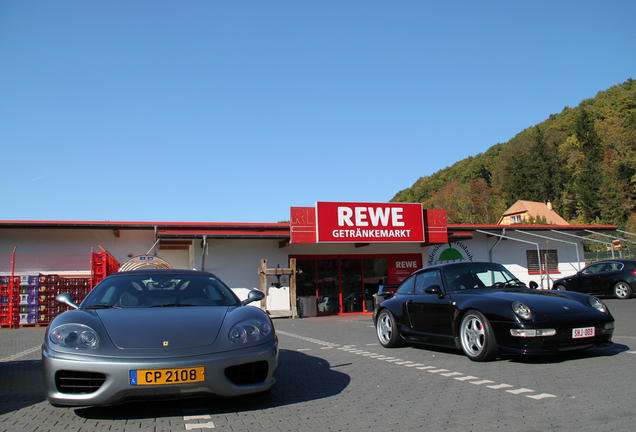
<point>534,359</point>
<point>564,356</point>
<point>20,385</point>
<point>300,378</point>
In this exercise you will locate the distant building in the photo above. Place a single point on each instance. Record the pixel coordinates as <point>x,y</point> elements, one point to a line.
<point>524,211</point>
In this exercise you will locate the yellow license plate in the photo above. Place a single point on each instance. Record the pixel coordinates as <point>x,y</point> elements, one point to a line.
<point>167,376</point>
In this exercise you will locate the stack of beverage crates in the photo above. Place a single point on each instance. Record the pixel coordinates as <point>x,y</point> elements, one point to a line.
<point>49,286</point>
<point>103,265</point>
<point>9,297</point>
<point>28,300</point>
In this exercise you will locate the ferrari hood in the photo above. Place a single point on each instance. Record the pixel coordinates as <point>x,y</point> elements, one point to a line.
<point>164,327</point>
<point>546,302</point>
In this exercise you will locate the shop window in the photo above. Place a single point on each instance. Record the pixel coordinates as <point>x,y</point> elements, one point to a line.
<point>549,261</point>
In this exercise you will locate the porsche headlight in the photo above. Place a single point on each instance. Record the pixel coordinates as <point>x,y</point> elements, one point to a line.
<point>250,331</point>
<point>521,310</point>
<point>597,304</point>
<point>76,336</point>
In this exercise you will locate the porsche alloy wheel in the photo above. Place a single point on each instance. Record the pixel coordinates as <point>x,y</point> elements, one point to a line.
<point>622,290</point>
<point>386,330</point>
<point>477,337</point>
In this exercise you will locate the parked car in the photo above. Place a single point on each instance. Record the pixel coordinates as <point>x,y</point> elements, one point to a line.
<point>484,310</point>
<point>612,277</point>
<point>158,333</point>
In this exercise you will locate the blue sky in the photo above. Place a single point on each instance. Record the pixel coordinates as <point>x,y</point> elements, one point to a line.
<point>235,111</point>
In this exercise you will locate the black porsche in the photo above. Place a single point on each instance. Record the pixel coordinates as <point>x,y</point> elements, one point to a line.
<point>484,310</point>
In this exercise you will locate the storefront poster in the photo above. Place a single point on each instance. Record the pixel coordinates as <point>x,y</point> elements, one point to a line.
<point>402,266</point>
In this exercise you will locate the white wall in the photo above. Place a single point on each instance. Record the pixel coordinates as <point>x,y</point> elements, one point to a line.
<point>237,262</point>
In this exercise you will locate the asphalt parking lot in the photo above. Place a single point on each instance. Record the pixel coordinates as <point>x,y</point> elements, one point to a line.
<point>334,376</point>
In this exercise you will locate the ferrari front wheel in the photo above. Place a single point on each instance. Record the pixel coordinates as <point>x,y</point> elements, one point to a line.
<point>477,337</point>
<point>386,329</point>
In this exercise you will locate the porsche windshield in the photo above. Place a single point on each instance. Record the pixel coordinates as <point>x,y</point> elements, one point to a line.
<point>160,291</point>
<point>474,276</point>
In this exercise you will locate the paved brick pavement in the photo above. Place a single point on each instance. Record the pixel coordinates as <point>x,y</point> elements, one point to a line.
<point>334,376</point>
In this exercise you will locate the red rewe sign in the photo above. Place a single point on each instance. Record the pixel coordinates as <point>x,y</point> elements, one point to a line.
<point>369,223</point>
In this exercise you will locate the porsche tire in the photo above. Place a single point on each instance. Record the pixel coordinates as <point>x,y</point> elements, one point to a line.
<point>477,337</point>
<point>386,330</point>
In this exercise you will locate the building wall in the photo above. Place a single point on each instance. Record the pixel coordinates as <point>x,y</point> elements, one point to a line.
<point>237,261</point>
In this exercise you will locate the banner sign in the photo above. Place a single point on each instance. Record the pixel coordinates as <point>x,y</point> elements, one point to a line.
<point>339,222</point>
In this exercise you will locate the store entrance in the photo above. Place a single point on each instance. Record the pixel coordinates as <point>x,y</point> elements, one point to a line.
<point>341,285</point>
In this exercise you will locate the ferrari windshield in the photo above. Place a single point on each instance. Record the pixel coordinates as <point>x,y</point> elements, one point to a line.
<point>478,275</point>
<point>168,290</point>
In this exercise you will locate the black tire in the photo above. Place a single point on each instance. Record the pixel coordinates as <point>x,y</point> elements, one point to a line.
<point>622,290</point>
<point>560,287</point>
<point>477,337</point>
<point>386,330</point>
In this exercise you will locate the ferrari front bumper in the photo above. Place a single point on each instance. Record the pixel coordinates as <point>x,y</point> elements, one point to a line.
<point>98,380</point>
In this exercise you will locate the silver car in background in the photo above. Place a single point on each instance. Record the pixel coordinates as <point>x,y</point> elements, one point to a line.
<point>158,334</point>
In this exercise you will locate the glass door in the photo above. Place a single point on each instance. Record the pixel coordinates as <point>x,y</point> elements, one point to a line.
<point>376,273</point>
<point>351,285</point>
<point>328,286</point>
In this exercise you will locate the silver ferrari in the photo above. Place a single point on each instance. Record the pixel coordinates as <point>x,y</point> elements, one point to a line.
<point>158,334</point>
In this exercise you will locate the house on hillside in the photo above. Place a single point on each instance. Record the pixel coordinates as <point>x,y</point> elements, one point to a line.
<point>525,211</point>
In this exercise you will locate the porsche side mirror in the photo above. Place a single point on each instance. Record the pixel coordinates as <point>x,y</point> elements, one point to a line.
<point>433,289</point>
<point>66,299</point>
<point>252,296</point>
<point>533,285</point>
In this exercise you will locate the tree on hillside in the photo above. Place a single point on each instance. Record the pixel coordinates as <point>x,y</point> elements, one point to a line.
<point>583,160</point>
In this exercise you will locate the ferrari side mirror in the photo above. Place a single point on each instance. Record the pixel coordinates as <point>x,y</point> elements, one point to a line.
<point>66,299</point>
<point>252,296</point>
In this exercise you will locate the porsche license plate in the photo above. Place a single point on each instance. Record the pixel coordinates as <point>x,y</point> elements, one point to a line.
<point>584,332</point>
<point>166,376</point>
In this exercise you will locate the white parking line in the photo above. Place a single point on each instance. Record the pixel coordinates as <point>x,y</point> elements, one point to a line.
<point>197,417</point>
<point>196,413</point>
<point>451,374</point>
<point>482,382</point>
<point>541,396</point>
<point>19,355</point>
<point>499,386</point>
<point>432,369</point>
<point>466,378</point>
<point>521,390</point>
<point>191,426</point>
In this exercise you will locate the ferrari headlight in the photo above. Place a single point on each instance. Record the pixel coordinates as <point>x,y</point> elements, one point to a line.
<point>521,310</point>
<point>597,304</point>
<point>76,336</point>
<point>250,331</point>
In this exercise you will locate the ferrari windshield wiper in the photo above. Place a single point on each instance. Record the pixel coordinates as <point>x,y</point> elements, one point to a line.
<point>102,306</point>
<point>172,305</point>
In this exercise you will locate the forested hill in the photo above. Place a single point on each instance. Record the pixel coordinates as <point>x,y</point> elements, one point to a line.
<point>583,160</point>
